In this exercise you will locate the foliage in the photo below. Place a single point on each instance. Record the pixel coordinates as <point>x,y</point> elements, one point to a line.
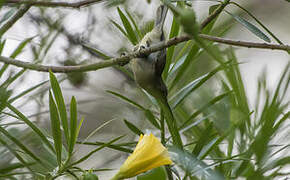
<point>224,137</point>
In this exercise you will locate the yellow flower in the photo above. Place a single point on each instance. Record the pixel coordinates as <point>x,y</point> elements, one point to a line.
<point>148,154</point>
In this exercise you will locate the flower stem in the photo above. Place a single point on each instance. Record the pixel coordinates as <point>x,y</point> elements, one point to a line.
<point>169,172</point>
<point>116,177</point>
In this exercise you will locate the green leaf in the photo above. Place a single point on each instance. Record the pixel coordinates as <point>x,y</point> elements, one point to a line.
<point>207,105</point>
<point>26,91</point>
<point>73,125</point>
<point>130,32</point>
<point>126,99</point>
<point>95,51</point>
<point>157,173</point>
<point>7,15</point>
<point>12,167</point>
<point>89,176</point>
<point>151,118</point>
<point>2,44</point>
<point>112,146</point>
<point>251,27</point>
<point>37,130</point>
<point>133,128</point>
<point>234,77</point>
<point>55,127</point>
<point>192,165</point>
<point>61,108</point>
<point>147,27</point>
<point>180,57</point>
<point>185,65</point>
<point>10,80</point>
<point>22,146</point>
<point>174,31</point>
<point>15,153</point>
<point>120,28</point>
<point>95,150</point>
<point>135,25</point>
<point>15,53</point>
<point>282,161</point>
<point>259,22</point>
<point>79,127</point>
<point>147,112</point>
<point>20,47</point>
<point>113,3</point>
<point>4,96</point>
<point>178,97</point>
<point>204,138</point>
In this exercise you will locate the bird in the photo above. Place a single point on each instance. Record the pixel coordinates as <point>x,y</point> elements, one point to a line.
<point>147,70</point>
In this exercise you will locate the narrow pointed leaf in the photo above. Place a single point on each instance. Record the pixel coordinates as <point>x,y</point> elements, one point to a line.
<point>26,91</point>
<point>37,130</point>
<point>112,146</point>
<point>55,127</point>
<point>178,97</point>
<point>10,80</point>
<point>207,105</point>
<point>133,128</point>
<point>251,27</point>
<point>21,146</point>
<point>95,51</point>
<point>174,31</point>
<point>7,15</point>
<point>73,124</point>
<point>120,28</point>
<point>135,25</point>
<point>147,112</point>
<point>15,53</point>
<point>185,65</point>
<point>2,44</point>
<point>15,153</point>
<point>97,149</point>
<point>20,47</point>
<point>61,108</point>
<point>130,32</point>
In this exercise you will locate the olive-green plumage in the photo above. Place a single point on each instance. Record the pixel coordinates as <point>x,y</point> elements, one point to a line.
<point>148,71</point>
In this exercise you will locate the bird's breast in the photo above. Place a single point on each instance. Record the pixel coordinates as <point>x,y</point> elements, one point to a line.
<point>143,71</point>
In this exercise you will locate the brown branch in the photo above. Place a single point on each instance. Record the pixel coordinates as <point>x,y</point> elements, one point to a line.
<point>52,3</point>
<point>21,11</point>
<point>245,43</point>
<point>125,59</point>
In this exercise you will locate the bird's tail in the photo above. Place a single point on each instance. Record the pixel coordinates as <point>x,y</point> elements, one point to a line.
<point>160,16</point>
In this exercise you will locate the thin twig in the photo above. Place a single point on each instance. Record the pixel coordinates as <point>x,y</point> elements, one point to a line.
<point>125,59</point>
<point>53,4</point>
<point>214,14</point>
<point>246,43</point>
<point>21,11</point>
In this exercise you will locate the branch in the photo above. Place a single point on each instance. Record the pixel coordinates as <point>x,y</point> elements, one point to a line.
<point>22,10</point>
<point>214,14</point>
<point>125,59</point>
<point>245,43</point>
<point>53,4</point>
